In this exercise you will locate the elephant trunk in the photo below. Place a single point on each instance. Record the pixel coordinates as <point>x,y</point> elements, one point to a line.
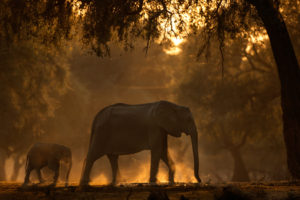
<point>194,138</point>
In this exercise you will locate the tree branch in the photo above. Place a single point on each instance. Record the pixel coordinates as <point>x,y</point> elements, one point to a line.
<point>261,60</point>
<point>253,66</point>
<point>155,16</point>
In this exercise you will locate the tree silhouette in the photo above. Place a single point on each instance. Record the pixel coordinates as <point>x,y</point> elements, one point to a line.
<point>236,110</point>
<point>32,78</point>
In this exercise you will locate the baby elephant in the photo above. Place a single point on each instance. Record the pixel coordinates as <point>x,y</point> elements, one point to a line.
<point>44,154</point>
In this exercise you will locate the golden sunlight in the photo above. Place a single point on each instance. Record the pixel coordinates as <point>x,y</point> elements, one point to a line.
<point>79,11</point>
<point>256,38</point>
<point>183,174</point>
<point>140,171</point>
<point>174,49</point>
<point>177,41</point>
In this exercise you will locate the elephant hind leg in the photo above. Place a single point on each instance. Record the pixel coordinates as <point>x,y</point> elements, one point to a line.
<point>38,171</point>
<point>27,176</point>
<point>170,164</point>
<point>56,174</point>
<point>86,170</point>
<point>155,157</point>
<point>113,159</point>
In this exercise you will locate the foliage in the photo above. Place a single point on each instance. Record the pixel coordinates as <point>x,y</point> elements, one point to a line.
<point>98,23</point>
<point>48,22</point>
<point>105,21</point>
<point>32,77</point>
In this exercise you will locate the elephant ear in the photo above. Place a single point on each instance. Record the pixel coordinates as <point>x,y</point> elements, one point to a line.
<point>167,118</point>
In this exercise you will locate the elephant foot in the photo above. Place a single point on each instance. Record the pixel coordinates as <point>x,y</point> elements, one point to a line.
<point>153,183</point>
<point>152,180</point>
<point>24,185</point>
<point>171,179</point>
<point>171,182</point>
<point>84,187</point>
<point>81,184</point>
<point>112,184</point>
<point>52,185</point>
<point>84,182</point>
<point>198,180</point>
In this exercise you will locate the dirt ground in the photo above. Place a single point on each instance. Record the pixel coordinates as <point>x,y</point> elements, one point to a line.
<point>180,191</point>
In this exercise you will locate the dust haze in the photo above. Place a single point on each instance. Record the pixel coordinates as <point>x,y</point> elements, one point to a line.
<point>227,111</point>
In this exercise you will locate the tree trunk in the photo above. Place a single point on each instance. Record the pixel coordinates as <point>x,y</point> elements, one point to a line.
<point>2,165</point>
<point>240,173</point>
<point>16,168</point>
<point>289,74</point>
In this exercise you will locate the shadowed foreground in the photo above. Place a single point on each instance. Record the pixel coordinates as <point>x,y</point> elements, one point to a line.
<point>274,190</point>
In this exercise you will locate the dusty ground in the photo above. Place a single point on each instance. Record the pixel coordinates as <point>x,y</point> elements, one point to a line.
<point>274,190</point>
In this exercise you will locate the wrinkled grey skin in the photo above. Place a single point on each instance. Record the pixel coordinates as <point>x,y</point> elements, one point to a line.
<point>43,154</point>
<point>122,129</point>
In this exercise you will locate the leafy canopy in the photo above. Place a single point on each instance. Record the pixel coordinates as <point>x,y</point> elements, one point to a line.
<point>98,23</point>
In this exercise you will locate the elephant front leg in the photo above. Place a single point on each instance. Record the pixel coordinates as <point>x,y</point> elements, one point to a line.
<point>165,156</point>
<point>85,177</point>
<point>87,166</point>
<point>113,159</point>
<point>155,157</point>
<point>170,164</point>
<point>56,174</point>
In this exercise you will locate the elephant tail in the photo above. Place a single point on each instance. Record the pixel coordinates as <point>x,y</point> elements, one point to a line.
<point>91,137</point>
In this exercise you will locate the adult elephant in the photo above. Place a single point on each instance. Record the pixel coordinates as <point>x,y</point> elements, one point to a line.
<point>122,129</point>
